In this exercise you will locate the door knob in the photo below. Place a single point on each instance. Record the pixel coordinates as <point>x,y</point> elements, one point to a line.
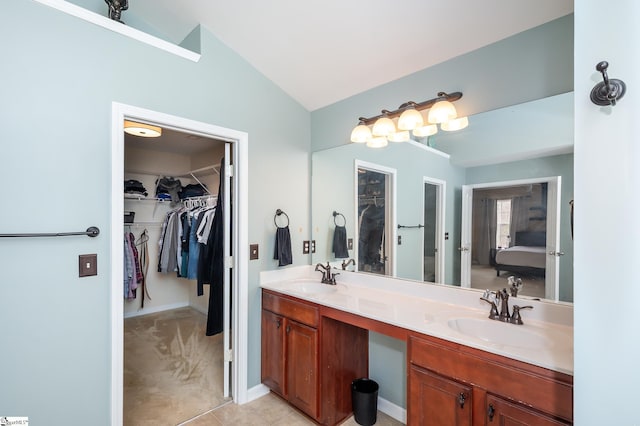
<point>556,253</point>
<point>463,248</point>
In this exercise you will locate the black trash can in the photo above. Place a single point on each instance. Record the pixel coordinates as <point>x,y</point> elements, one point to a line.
<point>364,397</point>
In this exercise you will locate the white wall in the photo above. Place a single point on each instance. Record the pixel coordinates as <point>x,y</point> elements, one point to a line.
<point>607,228</point>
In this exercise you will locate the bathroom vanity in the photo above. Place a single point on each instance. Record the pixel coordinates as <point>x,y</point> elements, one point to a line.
<point>463,369</point>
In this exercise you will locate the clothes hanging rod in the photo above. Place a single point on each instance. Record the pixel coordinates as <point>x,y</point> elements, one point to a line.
<point>92,231</point>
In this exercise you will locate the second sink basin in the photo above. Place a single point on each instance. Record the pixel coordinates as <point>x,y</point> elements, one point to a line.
<point>500,333</point>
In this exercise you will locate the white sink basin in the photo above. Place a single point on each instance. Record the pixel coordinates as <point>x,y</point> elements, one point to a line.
<point>307,286</point>
<point>496,332</point>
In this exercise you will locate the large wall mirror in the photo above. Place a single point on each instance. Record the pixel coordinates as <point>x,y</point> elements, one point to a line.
<point>510,162</point>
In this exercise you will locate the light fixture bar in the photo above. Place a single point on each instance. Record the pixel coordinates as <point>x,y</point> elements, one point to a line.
<point>451,97</point>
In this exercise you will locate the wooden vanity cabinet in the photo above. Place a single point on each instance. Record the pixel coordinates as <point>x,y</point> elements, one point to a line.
<point>311,359</point>
<point>457,385</point>
<point>290,351</point>
<point>437,400</point>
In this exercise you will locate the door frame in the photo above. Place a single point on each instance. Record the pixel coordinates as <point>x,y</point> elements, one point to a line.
<point>239,170</point>
<point>552,274</point>
<point>441,191</point>
<point>390,211</point>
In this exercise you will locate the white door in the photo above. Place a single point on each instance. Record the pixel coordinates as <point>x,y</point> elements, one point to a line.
<point>465,236</point>
<point>433,235</point>
<point>553,249</point>
<point>228,270</point>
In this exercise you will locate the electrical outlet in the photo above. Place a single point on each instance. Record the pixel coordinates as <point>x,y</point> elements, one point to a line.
<point>253,252</point>
<point>399,240</point>
<point>446,235</point>
<point>87,265</point>
<point>313,246</point>
<point>305,246</point>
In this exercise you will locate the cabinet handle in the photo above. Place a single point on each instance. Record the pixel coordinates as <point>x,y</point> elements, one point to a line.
<point>288,329</point>
<point>278,323</point>
<point>461,399</point>
<point>491,412</point>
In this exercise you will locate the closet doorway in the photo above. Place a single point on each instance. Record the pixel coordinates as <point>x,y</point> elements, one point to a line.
<point>180,192</point>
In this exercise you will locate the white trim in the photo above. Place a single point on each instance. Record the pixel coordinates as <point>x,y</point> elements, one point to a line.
<point>156,309</point>
<point>391,206</point>
<point>392,410</point>
<point>258,391</point>
<point>239,141</point>
<point>441,197</point>
<point>429,149</point>
<point>104,22</point>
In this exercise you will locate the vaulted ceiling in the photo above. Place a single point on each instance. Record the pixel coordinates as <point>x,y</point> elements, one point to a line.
<point>320,52</point>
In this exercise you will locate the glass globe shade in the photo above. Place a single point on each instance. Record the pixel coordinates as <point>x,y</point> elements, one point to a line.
<point>425,131</point>
<point>401,136</point>
<point>361,134</point>
<point>383,127</point>
<point>410,119</point>
<point>379,142</point>
<point>457,124</point>
<point>441,112</point>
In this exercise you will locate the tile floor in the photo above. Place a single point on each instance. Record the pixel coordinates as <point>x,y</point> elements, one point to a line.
<point>266,411</point>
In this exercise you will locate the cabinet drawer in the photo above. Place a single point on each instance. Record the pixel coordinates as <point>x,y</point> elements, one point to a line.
<point>533,386</point>
<point>295,310</point>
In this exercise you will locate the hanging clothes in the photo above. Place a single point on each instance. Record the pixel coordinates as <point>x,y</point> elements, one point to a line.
<point>211,266</point>
<point>144,264</point>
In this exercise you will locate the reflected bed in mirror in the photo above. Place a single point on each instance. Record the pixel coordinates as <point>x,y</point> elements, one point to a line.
<point>530,141</point>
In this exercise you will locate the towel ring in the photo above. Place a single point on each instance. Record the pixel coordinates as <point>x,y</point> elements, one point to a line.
<point>278,213</point>
<point>336,214</point>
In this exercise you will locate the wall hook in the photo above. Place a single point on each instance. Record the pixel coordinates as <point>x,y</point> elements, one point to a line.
<point>608,92</point>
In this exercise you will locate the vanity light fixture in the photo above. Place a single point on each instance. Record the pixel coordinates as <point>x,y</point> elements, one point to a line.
<point>142,129</point>
<point>410,120</point>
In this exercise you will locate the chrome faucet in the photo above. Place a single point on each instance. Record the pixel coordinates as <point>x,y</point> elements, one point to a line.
<point>502,297</point>
<point>347,263</point>
<point>327,276</point>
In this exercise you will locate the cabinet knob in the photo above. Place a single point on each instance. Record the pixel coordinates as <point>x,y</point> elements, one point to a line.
<point>288,329</point>
<point>461,399</point>
<point>278,323</point>
<point>491,412</point>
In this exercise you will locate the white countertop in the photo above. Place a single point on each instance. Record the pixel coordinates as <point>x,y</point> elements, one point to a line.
<point>545,339</point>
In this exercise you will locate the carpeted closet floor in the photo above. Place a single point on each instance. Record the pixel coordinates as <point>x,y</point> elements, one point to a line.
<point>172,370</point>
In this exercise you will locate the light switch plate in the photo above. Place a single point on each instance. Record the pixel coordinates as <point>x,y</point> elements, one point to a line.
<point>253,252</point>
<point>313,246</point>
<point>87,265</point>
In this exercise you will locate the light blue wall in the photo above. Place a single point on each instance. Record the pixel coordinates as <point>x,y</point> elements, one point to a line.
<point>60,77</point>
<point>607,243</point>
<point>333,190</point>
<point>531,65</point>
<point>559,165</point>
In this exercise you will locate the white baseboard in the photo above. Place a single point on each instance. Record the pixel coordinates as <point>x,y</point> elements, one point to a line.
<point>155,309</point>
<point>392,410</point>
<point>257,392</point>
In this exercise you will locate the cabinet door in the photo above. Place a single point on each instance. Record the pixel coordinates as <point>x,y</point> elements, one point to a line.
<point>501,412</point>
<point>273,352</point>
<point>436,400</point>
<point>302,366</point>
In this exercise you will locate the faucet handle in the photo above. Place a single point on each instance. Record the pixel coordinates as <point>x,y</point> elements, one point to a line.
<point>515,317</point>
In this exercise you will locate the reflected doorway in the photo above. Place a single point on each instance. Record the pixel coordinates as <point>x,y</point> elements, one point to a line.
<point>511,229</point>
<point>433,235</point>
<point>376,222</point>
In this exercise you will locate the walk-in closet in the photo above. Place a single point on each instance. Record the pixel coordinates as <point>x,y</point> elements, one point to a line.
<point>174,339</point>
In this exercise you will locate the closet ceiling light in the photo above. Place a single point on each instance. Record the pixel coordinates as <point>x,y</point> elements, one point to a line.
<point>142,129</point>
<point>410,121</point>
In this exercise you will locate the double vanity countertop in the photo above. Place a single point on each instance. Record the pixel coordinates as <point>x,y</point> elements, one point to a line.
<point>446,312</point>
